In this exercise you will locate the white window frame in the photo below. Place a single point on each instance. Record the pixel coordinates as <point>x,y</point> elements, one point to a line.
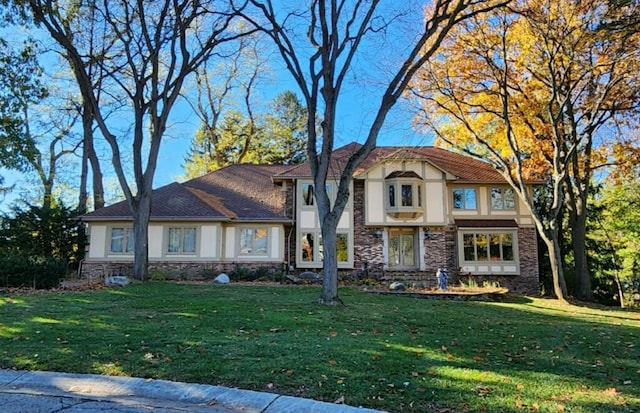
<point>254,229</point>
<point>398,209</point>
<point>182,238</point>
<point>502,206</point>
<point>464,207</point>
<point>488,232</point>
<point>128,240</point>
<point>318,253</point>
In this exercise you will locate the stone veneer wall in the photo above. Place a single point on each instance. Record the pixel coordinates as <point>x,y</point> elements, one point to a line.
<point>96,271</point>
<point>528,282</point>
<point>367,246</point>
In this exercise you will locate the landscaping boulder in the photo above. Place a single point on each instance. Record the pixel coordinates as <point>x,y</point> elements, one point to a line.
<point>116,281</point>
<point>221,279</point>
<point>397,286</point>
<point>310,276</point>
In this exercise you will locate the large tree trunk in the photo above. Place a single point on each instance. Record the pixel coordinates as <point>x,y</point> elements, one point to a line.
<point>89,155</point>
<point>141,214</point>
<point>578,221</point>
<point>330,263</point>
<point>552,242</point>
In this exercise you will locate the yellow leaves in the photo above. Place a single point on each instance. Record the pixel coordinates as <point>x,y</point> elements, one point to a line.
<point>611,391</point>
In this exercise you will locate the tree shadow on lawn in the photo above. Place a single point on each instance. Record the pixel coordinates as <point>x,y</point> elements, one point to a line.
<point>380,352</point>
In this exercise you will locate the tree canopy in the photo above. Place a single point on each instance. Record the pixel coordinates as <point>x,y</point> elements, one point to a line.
<point>536,89</point>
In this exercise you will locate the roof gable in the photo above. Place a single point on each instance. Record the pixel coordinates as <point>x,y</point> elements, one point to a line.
<point>458,167</point>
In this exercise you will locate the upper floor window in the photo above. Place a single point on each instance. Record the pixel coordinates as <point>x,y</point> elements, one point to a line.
<point>404,193</point>
<point>464,198</point>
<point>503,199</point>
<point>307,195</point>
<point>182,240</point>
<point>254,241</point>
<point>121,240</point>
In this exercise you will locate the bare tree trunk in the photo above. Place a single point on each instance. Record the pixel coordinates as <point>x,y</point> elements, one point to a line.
<point>89,157</point>
<point>96,178</point>
<point>578,224</point>
<point>330,262</point>
<point>552,242</point>
<point>141,214</point>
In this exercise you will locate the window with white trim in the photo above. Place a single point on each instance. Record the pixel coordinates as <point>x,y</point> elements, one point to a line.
<point>503,199</point>
<point>181,240</point>
<point>254,241</point>
<point>312,247</point>
<point>121,240</point>
<point>404,195</point>
<point>484,246</point>
<point>464,198</point>
<point>308,197</point>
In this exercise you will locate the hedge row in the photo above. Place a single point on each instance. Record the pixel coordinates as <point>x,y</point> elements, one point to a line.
<point>36,272</point>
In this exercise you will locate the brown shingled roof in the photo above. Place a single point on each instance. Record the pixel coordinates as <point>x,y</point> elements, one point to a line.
<point>247,192</point>
<point>464,168</point>
<point>237,192</point>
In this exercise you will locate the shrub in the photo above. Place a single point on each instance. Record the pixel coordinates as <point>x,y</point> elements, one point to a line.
<point>17,270</point>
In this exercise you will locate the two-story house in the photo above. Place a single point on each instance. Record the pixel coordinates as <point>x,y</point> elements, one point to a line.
<point>410,212</point>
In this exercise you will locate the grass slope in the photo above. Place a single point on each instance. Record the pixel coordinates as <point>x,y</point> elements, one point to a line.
<point>386,352</point>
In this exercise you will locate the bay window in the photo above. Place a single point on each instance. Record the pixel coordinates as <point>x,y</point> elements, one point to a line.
<point>404,195</point>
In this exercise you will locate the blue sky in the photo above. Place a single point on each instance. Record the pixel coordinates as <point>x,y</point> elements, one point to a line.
<point>357,106</point>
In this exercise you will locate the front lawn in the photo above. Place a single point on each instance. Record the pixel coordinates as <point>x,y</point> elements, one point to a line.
<point>386,352</point>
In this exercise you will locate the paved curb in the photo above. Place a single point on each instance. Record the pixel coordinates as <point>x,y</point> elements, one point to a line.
<point>98,387</point>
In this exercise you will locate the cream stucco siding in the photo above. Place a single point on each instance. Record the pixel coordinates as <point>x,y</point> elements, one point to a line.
<point>436,202</point>
<point>276,250</point>
<point>156,243</point>
<point>230,243</point>
<point>97,247</point>
<point>209,241</point>
<point>374,205</point>
<point>483,201</point>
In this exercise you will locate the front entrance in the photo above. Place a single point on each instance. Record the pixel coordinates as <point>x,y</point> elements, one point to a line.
<point>402,249</point>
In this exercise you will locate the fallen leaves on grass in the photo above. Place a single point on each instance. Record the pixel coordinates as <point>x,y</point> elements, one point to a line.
<point>482,391</point>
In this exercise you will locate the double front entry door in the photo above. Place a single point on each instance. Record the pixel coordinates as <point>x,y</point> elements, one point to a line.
<point>402,248</point>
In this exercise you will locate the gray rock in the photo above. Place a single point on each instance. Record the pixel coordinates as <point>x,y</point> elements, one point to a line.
<point>222,279</point>
<point>397,286</point>
<point>116,281</point>
<point>310,276</point>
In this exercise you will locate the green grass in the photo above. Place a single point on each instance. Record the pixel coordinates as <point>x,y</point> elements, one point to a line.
<point>386,352</point>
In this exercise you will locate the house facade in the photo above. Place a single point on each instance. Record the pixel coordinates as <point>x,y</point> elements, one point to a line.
<point>410,212</point>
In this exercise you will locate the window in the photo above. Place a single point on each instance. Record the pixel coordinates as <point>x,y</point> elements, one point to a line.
<point>182,240</point>
<point>121,240</point>
<point>307,194</point>
<point>503,199</point>
<point>254,241</point>
<point>464,198</point>
<point>310,251</point>
<point>313,249</point>
<point>488,246</point>
<point>342,247</point>
<point>404,190</point>
<point>407,195</point>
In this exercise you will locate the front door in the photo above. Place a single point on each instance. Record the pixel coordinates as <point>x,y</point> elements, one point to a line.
<point>402,248</point>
